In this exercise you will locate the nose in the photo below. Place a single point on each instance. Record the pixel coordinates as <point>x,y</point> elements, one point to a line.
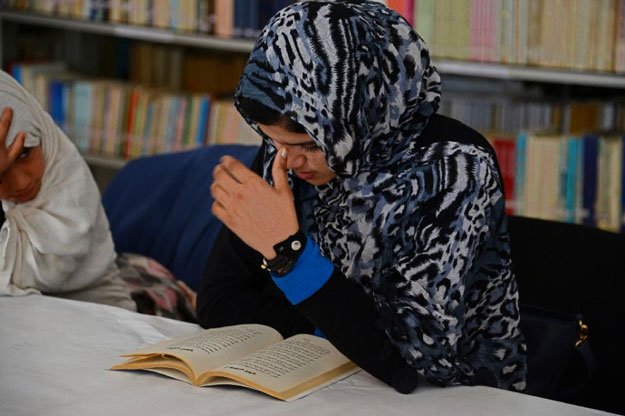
<point>295,160</point>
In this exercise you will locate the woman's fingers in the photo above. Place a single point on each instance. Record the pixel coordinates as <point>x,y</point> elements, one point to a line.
<point>232,185</point>
<point>17,146</point>
<point>279,170</point>
<point>5,123</point>
<point>8,156</point>
<point>223,178</point>
<point>236,170</point>
<point>219,193</point>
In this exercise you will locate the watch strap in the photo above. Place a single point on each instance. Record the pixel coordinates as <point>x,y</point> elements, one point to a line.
<point>287,253</point>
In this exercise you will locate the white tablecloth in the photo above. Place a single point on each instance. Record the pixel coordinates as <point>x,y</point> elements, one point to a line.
<point>55,355</point>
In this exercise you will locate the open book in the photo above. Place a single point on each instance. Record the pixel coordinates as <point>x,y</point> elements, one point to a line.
<point>249,355</point>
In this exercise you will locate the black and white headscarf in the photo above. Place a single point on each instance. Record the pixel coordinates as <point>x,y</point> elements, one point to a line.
<point>360,81</point>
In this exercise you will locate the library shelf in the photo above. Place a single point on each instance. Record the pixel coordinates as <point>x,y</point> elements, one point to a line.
<point>145,33</point>
<point>449,67</point>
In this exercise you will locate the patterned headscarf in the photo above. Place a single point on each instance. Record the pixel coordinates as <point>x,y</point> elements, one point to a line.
<point>359,79</point>
<point>419,226</point>
<point>353,73</point>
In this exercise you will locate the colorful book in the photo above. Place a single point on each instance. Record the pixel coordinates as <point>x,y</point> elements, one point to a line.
<point>83,92</point>
<point>519,176</point>
<point>619,40</point>
<point>505,149</point>
<point>622,228</point>
<point>589,187</point>
<point>201,137</point>
<point>571,178</point>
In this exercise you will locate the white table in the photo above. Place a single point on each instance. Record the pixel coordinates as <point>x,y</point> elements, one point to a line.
<point>54,356</point>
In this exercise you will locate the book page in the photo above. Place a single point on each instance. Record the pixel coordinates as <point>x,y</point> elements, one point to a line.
<point>204,351</point>
<point>289,369</point>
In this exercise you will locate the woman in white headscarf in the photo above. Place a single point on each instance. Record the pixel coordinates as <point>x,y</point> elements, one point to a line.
<point>55,238</point>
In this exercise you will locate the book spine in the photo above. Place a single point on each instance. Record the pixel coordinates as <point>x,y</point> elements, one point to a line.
<point>240,18</point>
<point>571,178</point>
<point>622,185</point>
<point>619,40</point>
<point>55,88</point>
<point>171,123</point>
<point>180,119</point>
<point>145,147</point>
<point>131,121</point>
<point>252,27</point>
<point>83,92</point>
<point>201,138</point>
<point>519,176</point>
<point>224,17</point>
<point>505,150</point>
<point>589,199</point>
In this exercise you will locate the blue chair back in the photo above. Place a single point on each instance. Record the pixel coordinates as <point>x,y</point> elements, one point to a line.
<point>160,206</point>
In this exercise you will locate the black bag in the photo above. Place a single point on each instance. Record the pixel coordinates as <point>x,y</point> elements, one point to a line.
<point>560,362</point>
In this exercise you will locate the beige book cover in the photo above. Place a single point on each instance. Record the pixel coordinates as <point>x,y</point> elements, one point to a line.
<point>249,355</point>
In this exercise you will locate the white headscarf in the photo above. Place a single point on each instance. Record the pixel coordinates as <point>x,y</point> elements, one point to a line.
<point>58,243</point>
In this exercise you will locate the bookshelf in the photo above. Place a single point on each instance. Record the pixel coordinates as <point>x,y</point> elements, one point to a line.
<point>149,34</point>
<point>539,89</point>
<point>445,66</point>
<point>105,166</point>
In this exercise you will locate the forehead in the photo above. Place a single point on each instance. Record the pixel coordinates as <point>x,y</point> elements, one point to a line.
<point>281,135</point>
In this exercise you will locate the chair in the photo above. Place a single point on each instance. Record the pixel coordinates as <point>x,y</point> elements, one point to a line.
<point>577,269</point>
<point>160,206</point>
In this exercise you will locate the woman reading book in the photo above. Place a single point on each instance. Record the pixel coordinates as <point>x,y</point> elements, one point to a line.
<point>55,237</point>
<point>366,216</point>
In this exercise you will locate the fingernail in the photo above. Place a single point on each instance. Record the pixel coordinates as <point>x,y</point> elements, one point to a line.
<point>283,152</point>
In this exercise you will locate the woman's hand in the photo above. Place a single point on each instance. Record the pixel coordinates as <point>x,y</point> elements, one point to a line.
<point>8,156</point>
<point>260,215</point>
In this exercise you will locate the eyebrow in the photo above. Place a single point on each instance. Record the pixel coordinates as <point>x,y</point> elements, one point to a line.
<point>307,143</point>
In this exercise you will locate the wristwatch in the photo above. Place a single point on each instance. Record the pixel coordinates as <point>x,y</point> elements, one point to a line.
<point>287,253</point>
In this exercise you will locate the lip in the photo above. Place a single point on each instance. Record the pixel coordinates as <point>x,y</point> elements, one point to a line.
<point>306,176</point>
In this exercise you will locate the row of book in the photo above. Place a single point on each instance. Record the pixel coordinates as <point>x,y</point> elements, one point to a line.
<point>570,178</point>
<point>157,65</point>
<point>491,113</point>
<point>238,18</point>
<point>171,66</point>
<point>576,34</point>
<point>488,112</point>
<point>182,15</point>
<point>125,120</point>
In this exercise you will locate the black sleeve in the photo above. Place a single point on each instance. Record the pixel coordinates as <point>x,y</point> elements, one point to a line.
<point>235,290</point>
<point>349,320</point>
